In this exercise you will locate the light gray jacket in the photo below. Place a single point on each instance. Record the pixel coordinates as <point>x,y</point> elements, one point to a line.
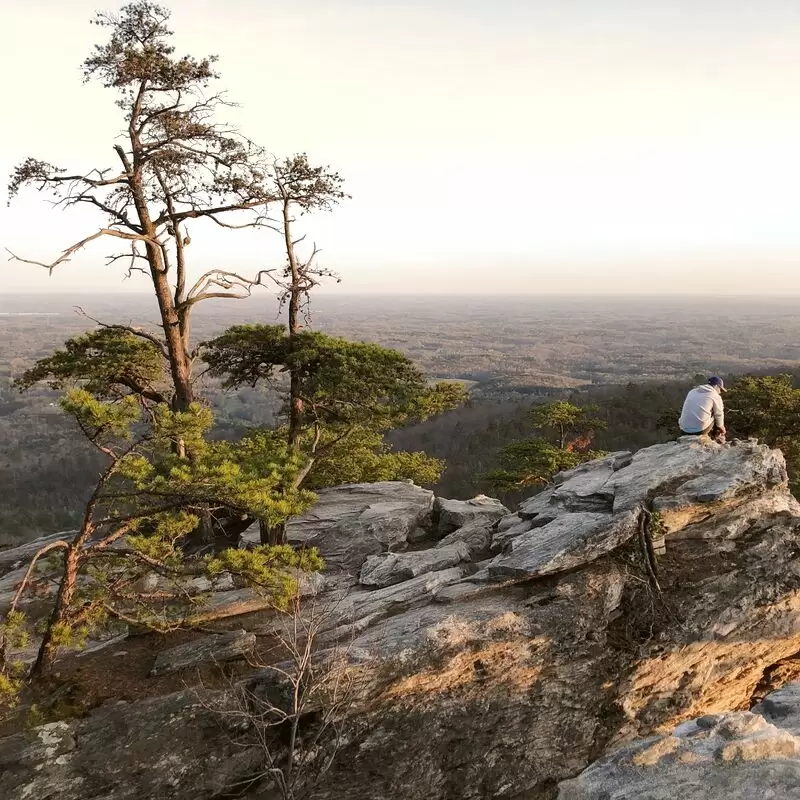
<point>702,406</point>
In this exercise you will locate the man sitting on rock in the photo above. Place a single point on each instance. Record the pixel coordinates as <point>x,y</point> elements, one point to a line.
<point>703,413</point>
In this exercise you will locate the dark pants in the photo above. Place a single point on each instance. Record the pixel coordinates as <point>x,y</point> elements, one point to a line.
<point>712,430</point>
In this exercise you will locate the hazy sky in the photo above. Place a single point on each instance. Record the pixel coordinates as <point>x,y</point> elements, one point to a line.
<point>503,145</point>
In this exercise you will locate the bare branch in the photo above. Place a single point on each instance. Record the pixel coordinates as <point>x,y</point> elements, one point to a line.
<point>127,329</point>
<point>196,213</point>
<point>233,285</point>
<point>72,249</point>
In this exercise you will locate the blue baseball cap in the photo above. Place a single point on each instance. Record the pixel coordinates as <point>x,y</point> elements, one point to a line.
<point>715,380</point>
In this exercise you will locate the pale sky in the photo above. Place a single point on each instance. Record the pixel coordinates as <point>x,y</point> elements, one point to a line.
<point>499,146</point>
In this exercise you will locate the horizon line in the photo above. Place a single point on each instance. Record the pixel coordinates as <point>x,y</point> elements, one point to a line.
<point>112,293</point>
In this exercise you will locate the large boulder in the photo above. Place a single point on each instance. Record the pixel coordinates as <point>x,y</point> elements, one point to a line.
<point>349,523</point>
<point>566,542</point>
<point>169,746</point>
<point>453,514</point>
<point>476,536</point>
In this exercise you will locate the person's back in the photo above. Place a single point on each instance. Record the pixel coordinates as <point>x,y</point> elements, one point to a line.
<point>703,409</point>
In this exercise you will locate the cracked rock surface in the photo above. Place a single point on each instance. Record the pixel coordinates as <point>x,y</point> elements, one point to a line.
<point>506,652</point>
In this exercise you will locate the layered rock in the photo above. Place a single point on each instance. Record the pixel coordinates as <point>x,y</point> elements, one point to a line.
<point>737,755</point>
<point>350,523</point>
<point>453,514</point>
<point>555,634</point>
<point>214,649</point>
<point>394,568</point>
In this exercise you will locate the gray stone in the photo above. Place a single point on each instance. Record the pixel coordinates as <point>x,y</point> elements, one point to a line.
<point>462,590</point>
<point>729,756</point>
<point>782,708</point>
<point>220,583</point>
<point>614,461</point>
<point>8,586</point>
<point>452,514</point>
<point>391,568</point>
<point>699,471</point>
<point>311,584</point>
<point>586,490</point>
<point>161,747</point>
<point>228,604</point>
<point>363,604</point>
<point>541,503</point>
<point>419,535</point>
<point>738,520</point>
<point>476,536</point>
<point>506,522</point>
<point>501,539</point>
<point>15,557</point>
<point>208,650</point>
<point>349,523</point>
<point>567,542</point>
<point>251,537</point>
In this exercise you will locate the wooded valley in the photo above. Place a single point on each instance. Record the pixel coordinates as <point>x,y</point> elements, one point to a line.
<point>633,358</point>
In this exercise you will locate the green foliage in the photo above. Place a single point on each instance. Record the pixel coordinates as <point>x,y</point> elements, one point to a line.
<point>270,570</point>
<point>351,392</point>
<point>102,422</point>
<point>150,498</point>
<point>13,634</point>
<point>364,457</point>
<point>66,635</point>
<point>566,431</point>
<point>532,462</point>
<point>341,382</point>
<point>11,684</point>
<point>658,528</point>
<point>561,420</point>
<point>255,475</point>
<point>13,629</point>
<point>164,477</point>
<point>246,354</point>
<point>107,362</point>
<point>767,408</point>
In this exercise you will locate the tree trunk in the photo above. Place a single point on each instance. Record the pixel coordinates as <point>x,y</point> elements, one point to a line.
<point>295,292</point>
<point>179,362</point>
<point>216,532</point>
<point>272,534</point>
<point>66,592</point>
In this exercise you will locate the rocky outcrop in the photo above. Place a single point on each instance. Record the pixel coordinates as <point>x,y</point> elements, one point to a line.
<point>567,541</point>
<point>739,755</point>
<point>165,747</point>
<point>349,523</point>
<point>559,632</point>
